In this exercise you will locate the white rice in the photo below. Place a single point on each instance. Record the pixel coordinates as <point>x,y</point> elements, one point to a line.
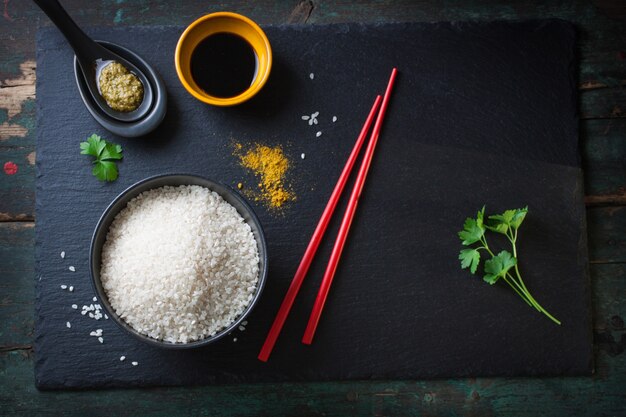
<point>179,263</point>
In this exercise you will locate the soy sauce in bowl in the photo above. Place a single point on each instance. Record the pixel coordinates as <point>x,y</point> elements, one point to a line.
<point>224,65</point>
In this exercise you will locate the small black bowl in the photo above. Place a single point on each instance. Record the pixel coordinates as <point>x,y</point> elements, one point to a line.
<point>120,202</point>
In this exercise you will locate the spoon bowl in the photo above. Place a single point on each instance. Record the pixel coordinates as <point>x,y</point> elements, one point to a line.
<point>92,72</point>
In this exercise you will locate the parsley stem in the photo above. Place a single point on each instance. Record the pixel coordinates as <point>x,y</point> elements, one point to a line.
<point>517,291</point>
<point>544,311</point>
<point>538,306</point>
<point>513,239</point>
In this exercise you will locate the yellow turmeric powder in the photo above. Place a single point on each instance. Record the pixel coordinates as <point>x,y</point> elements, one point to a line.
<point>270,165</point>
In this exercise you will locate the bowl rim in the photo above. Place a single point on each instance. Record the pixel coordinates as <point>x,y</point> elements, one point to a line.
<point>221,101</point>
<point>107,217</point>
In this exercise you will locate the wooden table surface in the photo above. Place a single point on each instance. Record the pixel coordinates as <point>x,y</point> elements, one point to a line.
<point>602,98</point>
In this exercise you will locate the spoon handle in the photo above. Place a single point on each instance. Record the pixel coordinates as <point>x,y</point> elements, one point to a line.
<point>84,47</point>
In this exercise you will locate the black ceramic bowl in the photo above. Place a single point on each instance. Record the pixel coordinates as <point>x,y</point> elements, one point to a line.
<point>120,202</point>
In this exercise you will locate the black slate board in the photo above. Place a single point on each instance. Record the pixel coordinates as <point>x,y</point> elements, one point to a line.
<point>482,113</point>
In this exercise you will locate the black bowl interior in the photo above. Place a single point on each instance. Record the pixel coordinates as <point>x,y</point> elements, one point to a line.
<point>228,194</point>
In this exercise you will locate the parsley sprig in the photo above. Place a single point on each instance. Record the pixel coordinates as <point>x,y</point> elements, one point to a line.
<point>106,153</point>
<point>504,265</point>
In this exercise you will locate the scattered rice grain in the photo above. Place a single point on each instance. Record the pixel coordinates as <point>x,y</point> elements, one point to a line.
<point>334,119</point>
<point>63,287</point>
<point>311,75</point>
<point>74,306</point>
<point>63,255</point>
<point>135,363</point>
<point>101,340</point>
<point>68,324</point>
<point>71,268</point>
<point>122,358</point>
<point>318,134</point>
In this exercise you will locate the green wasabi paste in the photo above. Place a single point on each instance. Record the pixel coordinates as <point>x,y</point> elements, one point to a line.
<point>121,89</point>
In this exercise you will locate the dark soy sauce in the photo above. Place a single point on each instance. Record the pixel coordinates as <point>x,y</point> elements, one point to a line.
<point>224,65</point>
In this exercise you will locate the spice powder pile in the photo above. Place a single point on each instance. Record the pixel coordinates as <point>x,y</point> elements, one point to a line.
<point>270,165</point>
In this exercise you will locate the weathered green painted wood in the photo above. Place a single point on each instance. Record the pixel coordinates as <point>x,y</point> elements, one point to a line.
<point>607,240</point>
<point>18,130</point>
<point>17,274</point>
<point>609,305</point>
<point>17,191</point>
<point>604,156</point>
<point>603,103</point>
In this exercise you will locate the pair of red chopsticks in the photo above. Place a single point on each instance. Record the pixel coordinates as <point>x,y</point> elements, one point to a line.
<point>307,258</point>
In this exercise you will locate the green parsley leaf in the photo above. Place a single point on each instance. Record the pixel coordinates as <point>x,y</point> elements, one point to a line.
<point>470,258</point>
<point>498,266</point>
<point>105,170</point>
<point>500,223</point>
<point>111,152</point>
<point>106,153</point>
<point>518,217</point>
<point>473,230</point>
<point>497,226</point>
<point>480,217</point>
<point>94,146</point>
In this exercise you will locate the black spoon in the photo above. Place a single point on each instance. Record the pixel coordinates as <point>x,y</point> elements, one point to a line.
<point>92,58</point>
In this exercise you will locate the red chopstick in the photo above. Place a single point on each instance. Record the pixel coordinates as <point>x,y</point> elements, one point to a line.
<point>347,219</point>
<point>298,278</point>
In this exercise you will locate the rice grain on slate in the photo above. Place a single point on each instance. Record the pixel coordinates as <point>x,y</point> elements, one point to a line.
<point>179,263</point>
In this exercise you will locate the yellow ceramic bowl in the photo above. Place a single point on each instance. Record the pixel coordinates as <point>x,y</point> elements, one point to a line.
<point>219,23</point>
